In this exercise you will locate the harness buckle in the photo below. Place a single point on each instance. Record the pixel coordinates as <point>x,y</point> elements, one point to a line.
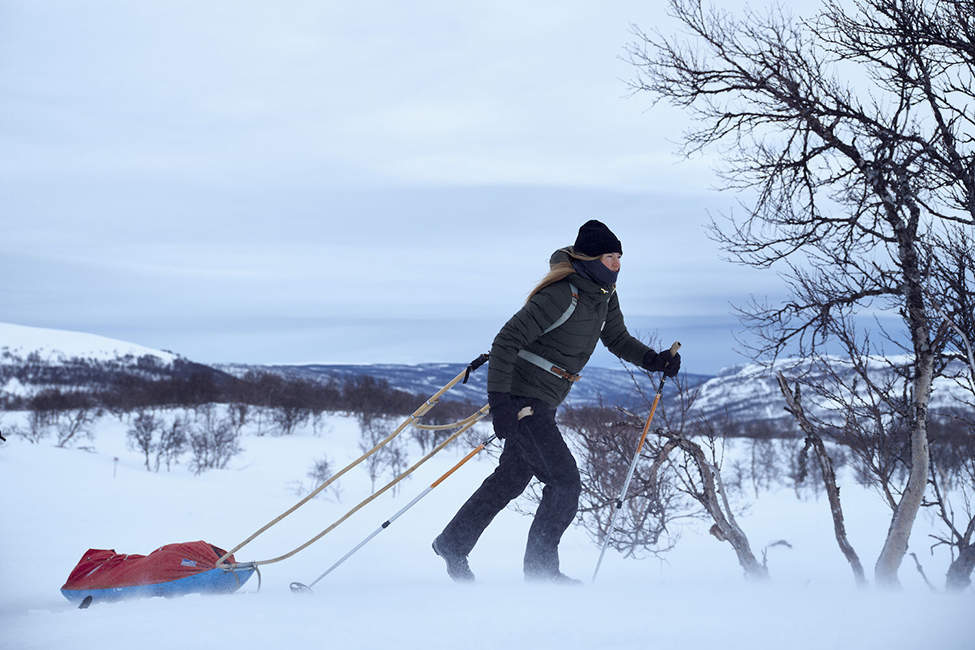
<point>564,374</point>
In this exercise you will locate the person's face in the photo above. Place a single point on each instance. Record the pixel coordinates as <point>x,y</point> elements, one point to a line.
<point>611,261</point>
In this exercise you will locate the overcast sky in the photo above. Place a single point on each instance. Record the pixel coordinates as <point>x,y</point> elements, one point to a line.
<point>341,182</point>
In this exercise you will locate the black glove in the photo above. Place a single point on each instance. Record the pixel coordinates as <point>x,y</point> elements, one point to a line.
<point>504,414</point>
<point>664,362</point>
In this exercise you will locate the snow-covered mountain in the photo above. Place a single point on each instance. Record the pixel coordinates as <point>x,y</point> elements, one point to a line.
<point>36,360</point>
<point>33,359</point>
<point>598,386</point>
<point>751,392</point>
<point>51,347</point>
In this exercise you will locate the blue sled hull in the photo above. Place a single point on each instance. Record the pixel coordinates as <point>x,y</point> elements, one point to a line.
<point>214,581</point>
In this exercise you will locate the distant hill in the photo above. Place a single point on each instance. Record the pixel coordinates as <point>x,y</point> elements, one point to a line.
<point>34,361</point>
<point>751,392</point>
<point>64,369</point>
<point>19,343</point>
<point>604,386</point>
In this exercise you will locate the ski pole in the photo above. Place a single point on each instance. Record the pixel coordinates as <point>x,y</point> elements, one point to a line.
<point>413,418</point>
<point>629,474</point>
<point>300,587</point>
<point>466,423</point>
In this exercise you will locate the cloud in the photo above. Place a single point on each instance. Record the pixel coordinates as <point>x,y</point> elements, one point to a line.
<point>190,168</point>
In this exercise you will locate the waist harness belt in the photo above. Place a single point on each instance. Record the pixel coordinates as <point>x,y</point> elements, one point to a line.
<point>544,363</point>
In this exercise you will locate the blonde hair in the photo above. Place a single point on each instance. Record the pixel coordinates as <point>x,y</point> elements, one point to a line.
<point>560,270</point>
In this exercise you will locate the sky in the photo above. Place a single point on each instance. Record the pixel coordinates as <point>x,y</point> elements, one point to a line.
<point>337,182</point>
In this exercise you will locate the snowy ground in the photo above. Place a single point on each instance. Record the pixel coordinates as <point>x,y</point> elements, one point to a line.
<point>56,503</point>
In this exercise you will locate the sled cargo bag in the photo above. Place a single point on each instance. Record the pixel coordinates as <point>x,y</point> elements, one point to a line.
<point>171,570</point>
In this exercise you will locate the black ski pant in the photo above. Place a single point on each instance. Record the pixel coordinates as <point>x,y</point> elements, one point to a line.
<point>536,449</point>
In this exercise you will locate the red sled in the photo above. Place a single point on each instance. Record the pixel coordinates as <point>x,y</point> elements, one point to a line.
<point>171,570</point>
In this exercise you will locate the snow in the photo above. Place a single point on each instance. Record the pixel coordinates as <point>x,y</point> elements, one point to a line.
<point>58,346</point>
<point>15,387</point>
<point>394,593</point>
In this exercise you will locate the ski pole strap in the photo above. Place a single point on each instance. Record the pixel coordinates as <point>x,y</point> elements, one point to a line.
<point>548,366</point>
<point>474,365</point>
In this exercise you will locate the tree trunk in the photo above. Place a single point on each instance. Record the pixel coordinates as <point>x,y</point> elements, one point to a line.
<point>895,546</point>
<point>724,519</point>
<point>959,575</point>
<point>725,527</point>
<point>794,406</point>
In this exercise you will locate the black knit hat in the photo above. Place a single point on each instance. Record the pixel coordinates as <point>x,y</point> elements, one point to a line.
<point>595,239</point>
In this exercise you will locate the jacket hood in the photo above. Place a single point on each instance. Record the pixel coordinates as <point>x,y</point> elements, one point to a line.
<point>561,256</point>
<point>564,257</point>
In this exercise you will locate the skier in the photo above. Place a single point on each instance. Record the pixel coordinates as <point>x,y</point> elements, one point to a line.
<point>535,359</point>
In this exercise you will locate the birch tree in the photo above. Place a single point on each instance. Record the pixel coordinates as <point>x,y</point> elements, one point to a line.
<point>849,136</point>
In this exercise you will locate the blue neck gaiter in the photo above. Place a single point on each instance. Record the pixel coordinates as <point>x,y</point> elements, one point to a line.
<point>596,271</point>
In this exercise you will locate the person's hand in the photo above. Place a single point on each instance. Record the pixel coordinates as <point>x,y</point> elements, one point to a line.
<point>503,413</point>
<point>664,362</point>
<point>671,363</point>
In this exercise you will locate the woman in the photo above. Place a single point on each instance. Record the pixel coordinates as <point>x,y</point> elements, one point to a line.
<point>534,361</point>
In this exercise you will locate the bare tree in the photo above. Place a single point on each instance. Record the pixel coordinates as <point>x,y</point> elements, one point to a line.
<point>142,433</point>
<point>391,457</point>
<point>213,440</point>
<point>853,191</point>
<point>707,489</point>
<point>172,443</point>
<point>427,439</point>
<point>954,470</point>
<point>958,522</point>
<point>288,417</point>
<point>320,472</point>
<point>39,424</point>
<point>261,416</point>
<point>72,424</point>
<point>606,441</point>
<point>239,413</point>
<point>676,478</point>
<point>815,444</point>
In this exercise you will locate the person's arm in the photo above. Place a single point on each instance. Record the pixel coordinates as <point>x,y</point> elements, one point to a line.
<point>618,340</point>
<point>616,337</point>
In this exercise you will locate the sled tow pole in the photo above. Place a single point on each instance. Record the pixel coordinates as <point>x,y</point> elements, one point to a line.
<point>413,419</point>
<point>299,587</point>
<point>629,474</point>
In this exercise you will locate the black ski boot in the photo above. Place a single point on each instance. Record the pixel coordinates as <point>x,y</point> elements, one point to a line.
<point>557,578</point>
<point>457,567</point>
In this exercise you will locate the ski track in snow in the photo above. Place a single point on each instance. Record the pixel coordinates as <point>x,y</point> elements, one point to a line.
<point>56,503</point>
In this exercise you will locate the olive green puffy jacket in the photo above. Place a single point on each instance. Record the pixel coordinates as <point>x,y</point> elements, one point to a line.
<point>568,346</point>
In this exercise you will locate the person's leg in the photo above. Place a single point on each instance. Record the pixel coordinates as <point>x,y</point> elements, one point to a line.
<point>544,450</point>
<point>507,481</point>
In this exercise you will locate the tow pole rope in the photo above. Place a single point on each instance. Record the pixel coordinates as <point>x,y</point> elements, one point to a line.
<point>423,409</point>
<point>299,587</point>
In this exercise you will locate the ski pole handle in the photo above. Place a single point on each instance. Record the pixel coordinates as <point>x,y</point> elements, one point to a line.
<point>673,350</point>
